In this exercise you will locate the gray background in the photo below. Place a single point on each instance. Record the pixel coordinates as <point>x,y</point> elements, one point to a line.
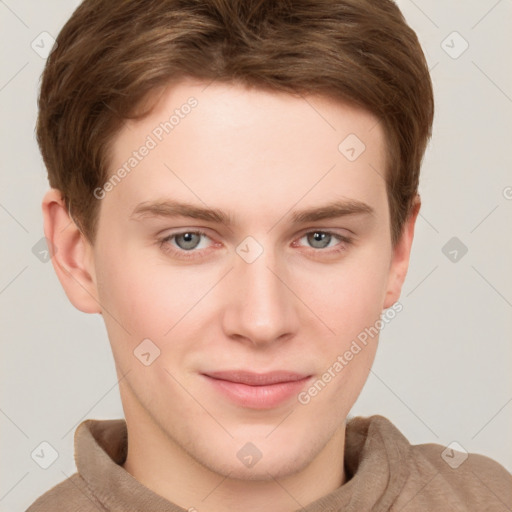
<point>442,372</point>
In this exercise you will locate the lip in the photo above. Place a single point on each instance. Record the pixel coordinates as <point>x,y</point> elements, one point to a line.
<point>257,390</point>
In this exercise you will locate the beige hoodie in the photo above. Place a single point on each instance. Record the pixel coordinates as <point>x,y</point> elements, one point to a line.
<point>384,473</point>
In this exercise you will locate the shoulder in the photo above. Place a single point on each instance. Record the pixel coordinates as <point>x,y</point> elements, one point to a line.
<point>70,494</point>
<point>431,476</point>
<point>470,479</point>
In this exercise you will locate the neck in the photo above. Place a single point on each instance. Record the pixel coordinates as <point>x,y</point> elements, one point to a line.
<point>184,482</point>
<point>166,468</point>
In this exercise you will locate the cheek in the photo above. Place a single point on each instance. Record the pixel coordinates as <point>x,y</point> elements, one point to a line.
<point>352,309</point>
<point>146,297</point>
<point>349,297</point>
<point>130,300</point>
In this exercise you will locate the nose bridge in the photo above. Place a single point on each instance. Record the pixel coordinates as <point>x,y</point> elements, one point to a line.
<point>261,309</point>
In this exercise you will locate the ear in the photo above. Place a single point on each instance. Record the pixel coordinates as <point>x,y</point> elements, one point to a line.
<point>71,254</point>
<point>400,258</point>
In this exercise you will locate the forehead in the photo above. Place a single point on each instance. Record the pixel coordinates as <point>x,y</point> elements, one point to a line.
<point>232,110</point>
<point>228,143</point>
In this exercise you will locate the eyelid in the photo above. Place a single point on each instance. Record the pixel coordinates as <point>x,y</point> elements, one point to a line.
<point>331,231</point>
<point>195,231</point>
<point>343,239</point>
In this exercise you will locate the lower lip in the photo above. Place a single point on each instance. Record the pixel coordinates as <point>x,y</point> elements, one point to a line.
<point>258,397</point>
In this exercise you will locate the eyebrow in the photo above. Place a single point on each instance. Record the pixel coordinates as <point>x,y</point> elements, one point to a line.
<point>171,208</point>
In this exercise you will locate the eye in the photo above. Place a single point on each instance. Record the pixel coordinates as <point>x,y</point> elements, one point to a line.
<point>322,240</point>
<point>184,243</point>
<point>187,244</point>
<point>187,240</point>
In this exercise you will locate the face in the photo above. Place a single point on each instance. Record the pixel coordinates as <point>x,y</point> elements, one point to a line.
<point>248,295</point>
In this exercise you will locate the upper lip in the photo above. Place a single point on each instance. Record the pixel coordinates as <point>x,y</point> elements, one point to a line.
<point>257,379</point>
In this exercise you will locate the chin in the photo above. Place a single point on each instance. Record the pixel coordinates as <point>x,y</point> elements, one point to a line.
<point>269,460</point>
<point>264,470</point>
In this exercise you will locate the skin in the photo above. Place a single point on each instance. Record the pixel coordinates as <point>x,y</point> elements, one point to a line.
<point>259,156</point>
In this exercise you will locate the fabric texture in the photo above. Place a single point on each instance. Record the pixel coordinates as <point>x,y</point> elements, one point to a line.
<point>384,473</point>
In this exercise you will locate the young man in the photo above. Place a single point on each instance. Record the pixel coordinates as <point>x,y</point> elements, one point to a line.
<point>234,189</point>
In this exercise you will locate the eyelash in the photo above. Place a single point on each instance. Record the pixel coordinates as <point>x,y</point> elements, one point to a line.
<point>192,254</point>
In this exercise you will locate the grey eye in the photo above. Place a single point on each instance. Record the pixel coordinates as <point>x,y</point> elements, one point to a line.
<point>319,237</point>
<point>188,240</point>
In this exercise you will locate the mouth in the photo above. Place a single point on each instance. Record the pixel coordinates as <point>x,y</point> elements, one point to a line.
<point>257,390</point>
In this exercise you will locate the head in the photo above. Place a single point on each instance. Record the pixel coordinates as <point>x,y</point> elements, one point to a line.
<point>261,119</point>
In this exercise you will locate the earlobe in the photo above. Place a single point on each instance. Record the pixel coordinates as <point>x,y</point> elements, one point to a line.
<point>401,256</point>
<point>71,254</point>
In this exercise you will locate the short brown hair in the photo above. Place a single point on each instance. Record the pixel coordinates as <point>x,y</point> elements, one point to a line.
<point>111,55</point>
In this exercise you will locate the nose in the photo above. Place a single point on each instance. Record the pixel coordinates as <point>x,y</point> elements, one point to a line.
<point>260,309</point>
